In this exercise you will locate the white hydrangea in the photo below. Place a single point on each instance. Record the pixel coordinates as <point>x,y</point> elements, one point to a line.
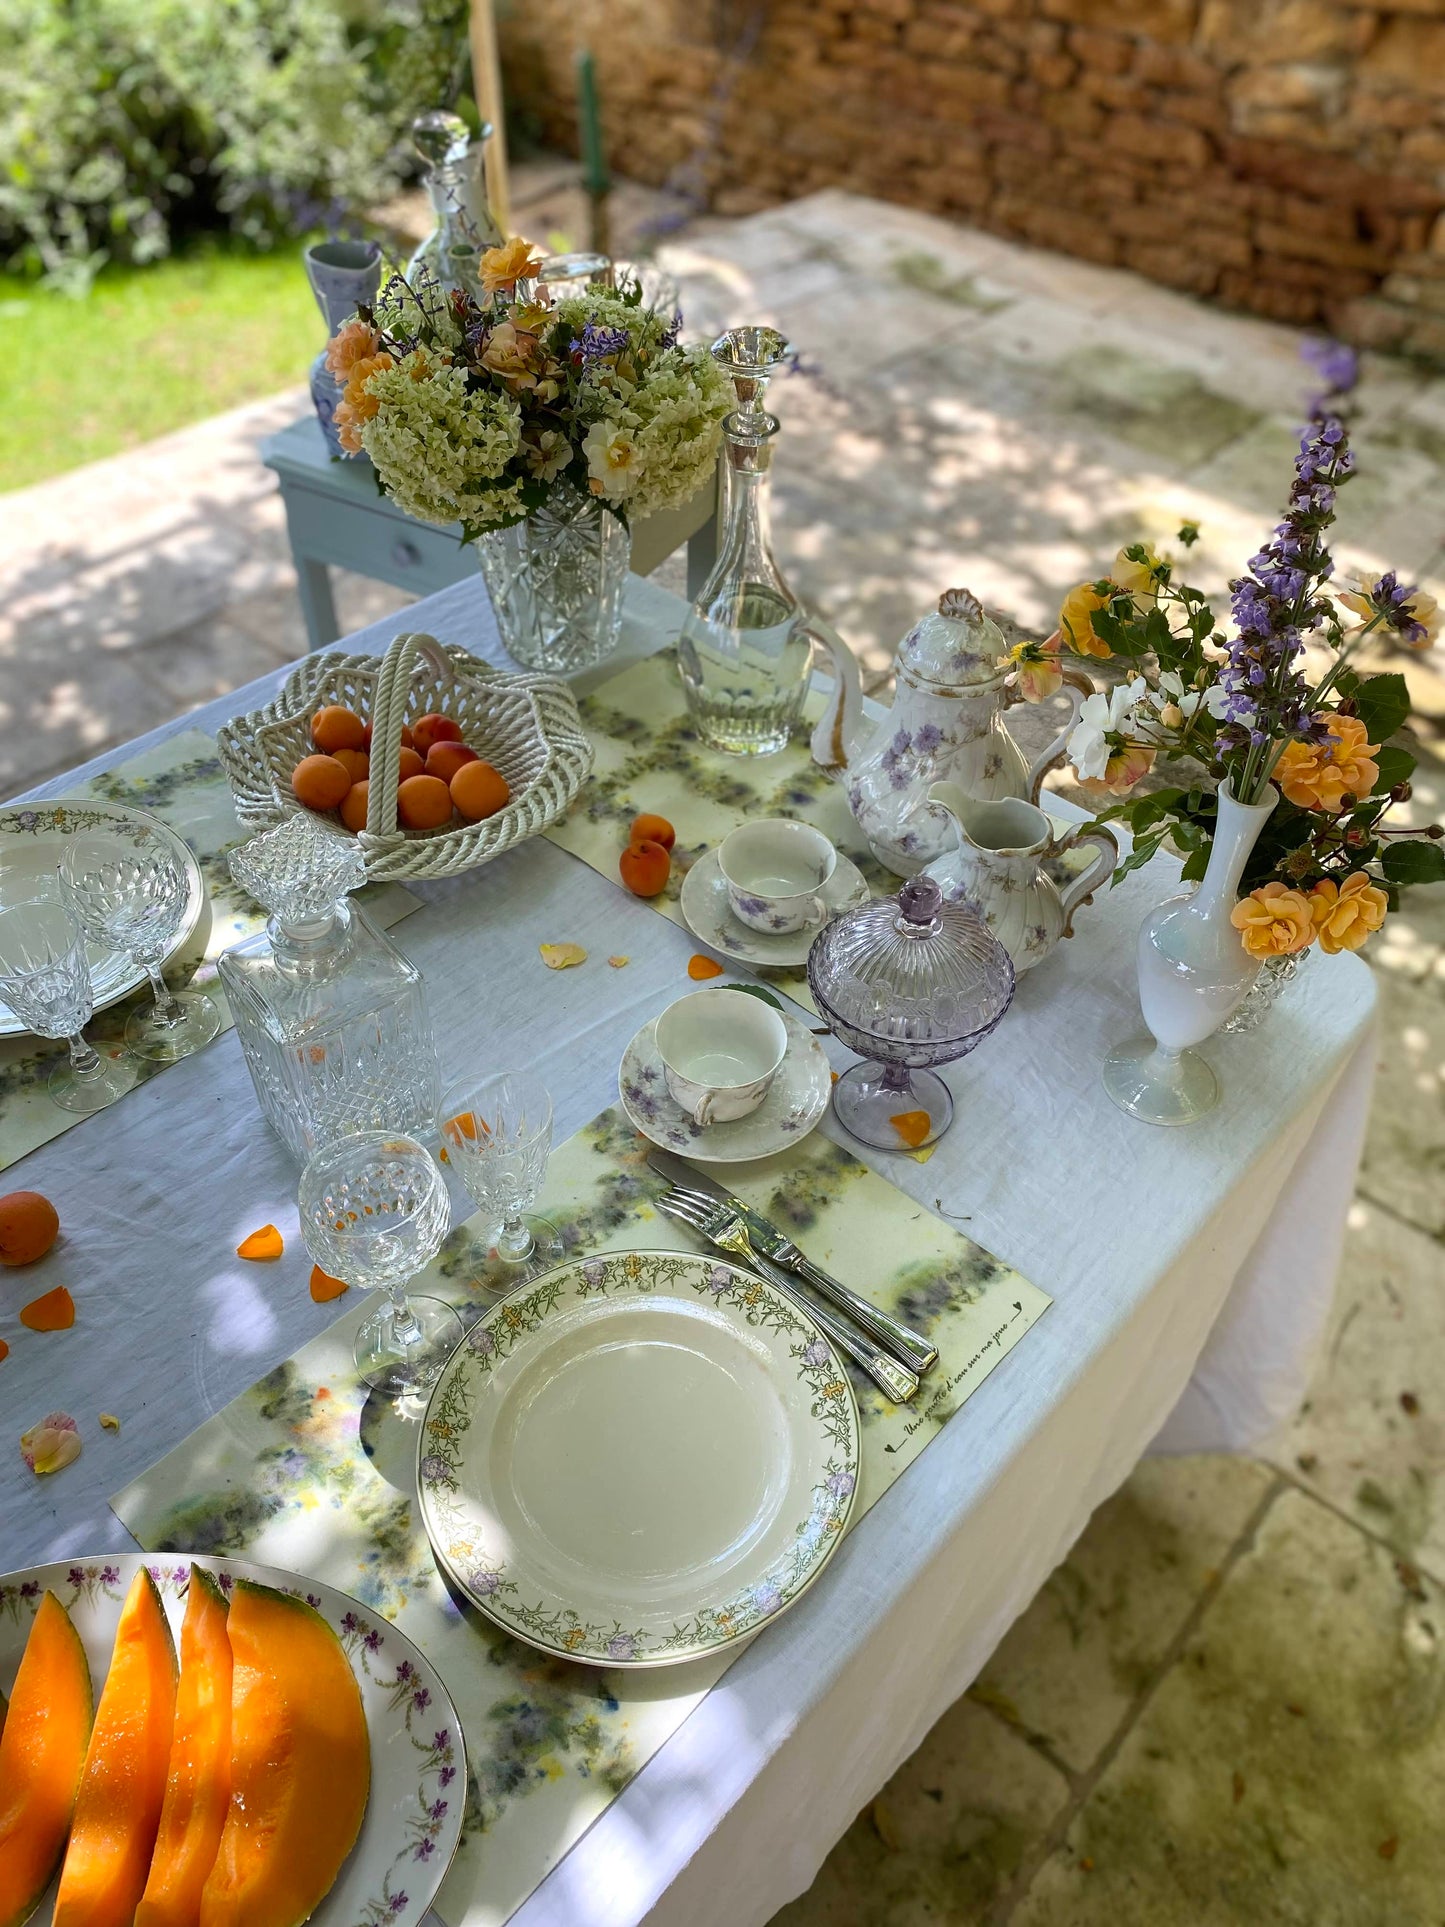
<point>435,444</point>
<point>655,442</point>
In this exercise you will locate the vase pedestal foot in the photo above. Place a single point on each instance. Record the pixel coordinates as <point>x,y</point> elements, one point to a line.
<point>1159,1086</point>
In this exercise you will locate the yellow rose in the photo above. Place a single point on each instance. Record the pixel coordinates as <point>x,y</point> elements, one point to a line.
<point>1140,579</point>
<point>1074,624</point>
<point>1319,776</point>
<point>1274,921</point>
<point>503,267</point>
<point>1417,606</point>
<point>1345,914</point>
<point>1037,672</point>
<point>1127,763</point>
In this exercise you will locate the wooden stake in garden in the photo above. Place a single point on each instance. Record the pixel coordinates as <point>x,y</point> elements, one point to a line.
<point>487,88</point>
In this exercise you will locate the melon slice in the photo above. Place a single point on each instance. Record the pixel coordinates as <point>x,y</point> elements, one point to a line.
<point>124,1781</point>
<point>198,1781</point>
<point>42,1751</point>
<point>300,1765</point>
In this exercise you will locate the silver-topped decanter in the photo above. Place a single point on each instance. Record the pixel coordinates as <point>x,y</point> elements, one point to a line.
<point>331,1016</point>
<point>456,186</point>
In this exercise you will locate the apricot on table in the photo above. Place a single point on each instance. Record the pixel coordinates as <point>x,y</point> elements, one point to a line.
<point>645,868</point>
<point>320,782</point>
<point>479,791</point>
<point>410,764</point>
<point>336,727</point>
<point>354,805</point>
<point>445,759</point>
<point>355,762</point>
<point>430,729</point>
<point>424,803</point>
<point>648,828</point>
<point>406,741</point>
<point>29,1226</point>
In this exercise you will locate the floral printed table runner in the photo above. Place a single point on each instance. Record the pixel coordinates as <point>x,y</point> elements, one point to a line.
<point>303,1471</point>
<point>182,782</point>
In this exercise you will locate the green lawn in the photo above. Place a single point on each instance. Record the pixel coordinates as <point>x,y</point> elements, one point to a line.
<point>148,350</point>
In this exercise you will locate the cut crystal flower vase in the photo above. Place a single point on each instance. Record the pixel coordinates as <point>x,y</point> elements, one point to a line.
<point>556,582</point>
<point>1194,973</point>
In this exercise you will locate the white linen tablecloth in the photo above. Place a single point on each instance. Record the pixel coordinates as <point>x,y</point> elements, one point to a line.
<point>1191,1273</point>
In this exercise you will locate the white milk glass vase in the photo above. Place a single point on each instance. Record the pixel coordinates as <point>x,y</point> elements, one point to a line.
<point>1194,973</point>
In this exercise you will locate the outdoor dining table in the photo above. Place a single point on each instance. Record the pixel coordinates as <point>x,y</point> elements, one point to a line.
<point>1191,1273</point>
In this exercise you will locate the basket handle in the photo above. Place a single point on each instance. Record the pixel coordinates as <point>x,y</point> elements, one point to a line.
<point>388,714</point>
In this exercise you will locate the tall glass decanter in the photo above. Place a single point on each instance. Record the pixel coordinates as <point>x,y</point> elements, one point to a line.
<point>331,1016</point>
<point>456,186</point>
<point>745,651</point>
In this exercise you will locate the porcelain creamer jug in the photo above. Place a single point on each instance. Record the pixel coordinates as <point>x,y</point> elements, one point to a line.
<point>997,867</point>
<point>953,686</point>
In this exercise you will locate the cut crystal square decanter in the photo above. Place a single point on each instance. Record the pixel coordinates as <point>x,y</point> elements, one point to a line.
<point>331,1016</point>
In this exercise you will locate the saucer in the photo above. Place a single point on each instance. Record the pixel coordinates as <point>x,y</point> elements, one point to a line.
<point>798,1098</point>
<point>709,915</point>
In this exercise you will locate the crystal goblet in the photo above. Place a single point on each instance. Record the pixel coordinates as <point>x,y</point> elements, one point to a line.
<point>127,890</point>
<point>497,1130</point>
<point>374,1211</point>
<point>45,979</point>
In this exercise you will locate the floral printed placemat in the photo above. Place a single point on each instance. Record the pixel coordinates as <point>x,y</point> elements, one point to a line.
<point>181,782</point>
<point>647,758</point>
<point>303,1471</point>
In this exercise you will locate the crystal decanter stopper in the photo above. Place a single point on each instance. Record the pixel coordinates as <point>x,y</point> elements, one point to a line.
<point>331,1016</point>
<point>745,651</point>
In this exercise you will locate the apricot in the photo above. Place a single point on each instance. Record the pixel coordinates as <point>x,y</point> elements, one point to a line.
<point>480,791</point>
<point>424,803</point>
<point>354,805</point>
<point>406,741</point>
<point>645,868</point>
<point>445,759</point>
<point>355,762</point>
<point>652,829</point>
<point>29,1226</point>
<point>320,782</point>
<point>336,727</point>
<point>410,764</point>
<point>427,730</point>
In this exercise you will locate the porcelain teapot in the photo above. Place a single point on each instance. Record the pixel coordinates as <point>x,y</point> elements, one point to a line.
<point>946,724</point>
<point>997,866</point>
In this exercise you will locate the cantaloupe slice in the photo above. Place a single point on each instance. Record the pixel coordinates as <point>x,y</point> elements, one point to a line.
<point>42,1751</point>
<point>198,1781</point>
<point>300,1765</point>
<point>124,1781</point>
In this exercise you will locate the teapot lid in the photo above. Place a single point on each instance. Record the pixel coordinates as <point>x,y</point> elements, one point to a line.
<point>957,646</point>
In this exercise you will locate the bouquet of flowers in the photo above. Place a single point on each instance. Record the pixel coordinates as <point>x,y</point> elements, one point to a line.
<point>476,405</point>
<point>1326,865</point>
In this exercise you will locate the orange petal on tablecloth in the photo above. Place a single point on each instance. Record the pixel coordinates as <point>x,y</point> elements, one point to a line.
<point>265,1243</point>
<point>53,1312</point>
<point>51,1444</point>
<point>562,956</point>
<point>618,963</point>
<point>324,1287</point>
<point>700,968</point>
<point>4,1349</point>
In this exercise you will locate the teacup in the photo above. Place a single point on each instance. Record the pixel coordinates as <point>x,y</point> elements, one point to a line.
<point>775,872</point>
<point>720,1052</point>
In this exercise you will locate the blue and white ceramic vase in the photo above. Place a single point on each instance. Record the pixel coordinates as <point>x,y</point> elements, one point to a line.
<point>343,276</point>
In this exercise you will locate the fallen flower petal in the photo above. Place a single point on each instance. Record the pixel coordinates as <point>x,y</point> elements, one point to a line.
<point>324,1287</point>
<point>618,963</point>
<point>109,1422</point>
<point>562,956</point>
<point>4,1349</point>
<point>265,1243</point>
<point>51,1444</point>
<point>912,1126</point>
<point>54,1311</point>
<point>700,968</point>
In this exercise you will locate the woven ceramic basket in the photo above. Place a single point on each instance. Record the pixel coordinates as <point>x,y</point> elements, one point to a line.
<point>525,726</point>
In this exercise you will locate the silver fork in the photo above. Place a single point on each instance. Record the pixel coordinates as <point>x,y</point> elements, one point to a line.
<point>726,1230</point>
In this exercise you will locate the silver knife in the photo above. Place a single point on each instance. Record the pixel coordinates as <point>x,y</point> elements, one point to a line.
<point>911,1346</point>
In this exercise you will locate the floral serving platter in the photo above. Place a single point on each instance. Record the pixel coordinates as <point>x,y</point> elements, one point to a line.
<point>32,842</point>
<point>797,1100</point>
<point>638,1458</point>
<point>708,914</point>
<point>418,1760</point>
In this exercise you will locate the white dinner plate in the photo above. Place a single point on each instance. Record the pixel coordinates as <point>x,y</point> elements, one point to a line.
<point>793,1106</point>
<point>638,1458</point>
<point>708,914</point>
<point>418,1761</point>
<point>32,842</point>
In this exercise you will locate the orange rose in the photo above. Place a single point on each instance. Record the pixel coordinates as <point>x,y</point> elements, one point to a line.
<point>353,341</point>
<point>1319,776</point>
<point>1037,672</point>
<point>1347,913</point>
<point>1127,763</point>
<point>503,267</point>
<point>1274,921</point>
<point>1074,624</point>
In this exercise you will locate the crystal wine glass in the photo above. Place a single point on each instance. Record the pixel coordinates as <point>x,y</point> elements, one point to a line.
<point>45,979</point>
<point>374,1211</point>
<point>498,1132</point>
<point>127,890</point>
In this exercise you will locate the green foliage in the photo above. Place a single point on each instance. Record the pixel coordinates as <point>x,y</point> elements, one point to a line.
<point>126,125</point>
<point>1414,862</point>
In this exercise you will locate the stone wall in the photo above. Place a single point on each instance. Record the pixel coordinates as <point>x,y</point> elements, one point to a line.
<point>1281,156</point>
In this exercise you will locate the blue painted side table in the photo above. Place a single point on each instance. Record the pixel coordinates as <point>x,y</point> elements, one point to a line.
<point>336,517</point>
